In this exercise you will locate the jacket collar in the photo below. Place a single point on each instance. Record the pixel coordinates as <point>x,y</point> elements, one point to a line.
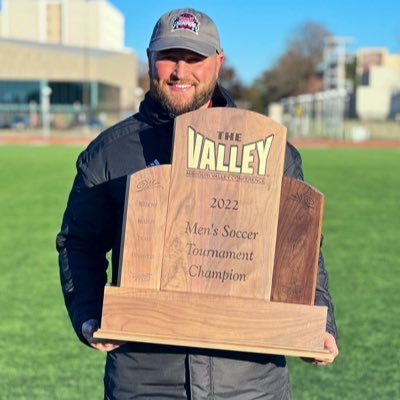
<point>153,113</point>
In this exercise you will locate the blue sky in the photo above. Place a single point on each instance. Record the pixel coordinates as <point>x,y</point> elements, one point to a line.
<point>254,32</point>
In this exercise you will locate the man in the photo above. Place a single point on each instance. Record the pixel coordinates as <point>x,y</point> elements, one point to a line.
<point>185,58</point>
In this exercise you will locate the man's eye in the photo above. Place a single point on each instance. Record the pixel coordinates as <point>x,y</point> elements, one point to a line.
<point>193,60</point>
<point>167,58</point>
<point>190,59</point>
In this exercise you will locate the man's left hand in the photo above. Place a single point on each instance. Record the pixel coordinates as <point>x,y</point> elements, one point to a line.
<point>331,346</point>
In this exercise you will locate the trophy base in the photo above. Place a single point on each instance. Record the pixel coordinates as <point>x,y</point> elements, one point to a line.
<point>213,322</point>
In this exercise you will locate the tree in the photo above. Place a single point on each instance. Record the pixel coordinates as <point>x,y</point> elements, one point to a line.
<point>295,71</point>
<point>229,79</point>
<point>308,41</point>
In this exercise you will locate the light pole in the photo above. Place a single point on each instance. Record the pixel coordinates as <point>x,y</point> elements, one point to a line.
<point>45,110</point>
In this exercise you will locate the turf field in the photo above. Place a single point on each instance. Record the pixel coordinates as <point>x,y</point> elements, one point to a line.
<point>41,359</point>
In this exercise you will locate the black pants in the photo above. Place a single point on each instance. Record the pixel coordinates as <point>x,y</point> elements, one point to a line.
<point>140,371</point>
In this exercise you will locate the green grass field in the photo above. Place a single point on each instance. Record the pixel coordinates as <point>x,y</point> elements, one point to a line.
<point>42,359</point>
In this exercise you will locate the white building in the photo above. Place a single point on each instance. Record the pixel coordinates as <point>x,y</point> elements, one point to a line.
<point>73,50</point>
<point>378,92</point>
<point>94,24</point>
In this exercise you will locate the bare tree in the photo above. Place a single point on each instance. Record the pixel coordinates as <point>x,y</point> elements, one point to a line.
<point>308,41</point>
<point>230,80</point>
<point>295,71</point>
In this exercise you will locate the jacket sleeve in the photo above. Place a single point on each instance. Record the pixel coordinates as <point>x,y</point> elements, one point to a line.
<point>82,245</point>
<point>322,297</point>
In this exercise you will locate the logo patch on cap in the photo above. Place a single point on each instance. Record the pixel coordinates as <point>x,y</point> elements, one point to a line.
<point>186,21</point>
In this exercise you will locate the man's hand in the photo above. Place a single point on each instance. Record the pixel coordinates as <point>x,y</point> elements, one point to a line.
<point>331,346</point>
<point>91,326</point>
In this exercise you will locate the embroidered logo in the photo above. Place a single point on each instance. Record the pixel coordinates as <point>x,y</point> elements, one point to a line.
<point>153,163</point>
<point>186,21</point>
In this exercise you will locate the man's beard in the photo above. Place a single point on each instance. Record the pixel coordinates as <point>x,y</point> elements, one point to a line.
<point>175,108</point>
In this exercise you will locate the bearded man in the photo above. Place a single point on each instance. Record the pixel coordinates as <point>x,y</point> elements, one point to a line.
<point>185,58</point>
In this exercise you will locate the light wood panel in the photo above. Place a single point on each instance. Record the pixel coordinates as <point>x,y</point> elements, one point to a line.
<point>224,201</point>
<point>212,321</point>
<point>144,228</point>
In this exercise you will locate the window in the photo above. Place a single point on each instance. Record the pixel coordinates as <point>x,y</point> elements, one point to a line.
<point>19,92</point>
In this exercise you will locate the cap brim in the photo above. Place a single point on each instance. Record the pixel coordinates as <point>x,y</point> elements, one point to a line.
<point>204,49</point>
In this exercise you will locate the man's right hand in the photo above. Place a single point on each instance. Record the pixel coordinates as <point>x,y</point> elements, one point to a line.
<point>89,327</point>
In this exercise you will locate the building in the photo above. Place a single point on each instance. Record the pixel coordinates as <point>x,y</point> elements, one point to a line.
<point>378,90</point>
<point>93,24</point>
<point>64,60</point>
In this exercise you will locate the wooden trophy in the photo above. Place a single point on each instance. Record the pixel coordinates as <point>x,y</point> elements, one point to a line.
<point>219,249</point>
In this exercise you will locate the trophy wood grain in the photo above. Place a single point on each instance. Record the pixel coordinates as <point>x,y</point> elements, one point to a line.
<point>212,321</point>
<point>199,253</point>
<point>298,243</point>
<point>144,228</point>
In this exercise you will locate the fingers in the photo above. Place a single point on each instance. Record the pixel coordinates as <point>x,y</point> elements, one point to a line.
<point>316,361</point>
<point>104,345</point>
<point>331,346</point>
<point>321,362</point>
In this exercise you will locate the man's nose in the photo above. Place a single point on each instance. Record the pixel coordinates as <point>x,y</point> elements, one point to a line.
<point>180,69</point>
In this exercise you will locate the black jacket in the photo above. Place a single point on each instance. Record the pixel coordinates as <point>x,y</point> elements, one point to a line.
<point>92,222</point>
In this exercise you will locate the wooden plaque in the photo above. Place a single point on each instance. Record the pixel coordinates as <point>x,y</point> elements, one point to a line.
<point>213,321</point>
<point>224,203</point>
<point>210,240</point>
<point>144,225</point>
<point>298,243</point>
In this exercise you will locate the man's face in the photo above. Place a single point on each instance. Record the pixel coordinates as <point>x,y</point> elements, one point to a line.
<point>182,80</point>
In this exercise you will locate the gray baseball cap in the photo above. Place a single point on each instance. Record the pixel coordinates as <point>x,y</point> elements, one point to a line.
<point>187,29</point>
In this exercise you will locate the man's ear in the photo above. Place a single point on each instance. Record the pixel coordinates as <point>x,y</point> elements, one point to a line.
<point>220,61</point>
